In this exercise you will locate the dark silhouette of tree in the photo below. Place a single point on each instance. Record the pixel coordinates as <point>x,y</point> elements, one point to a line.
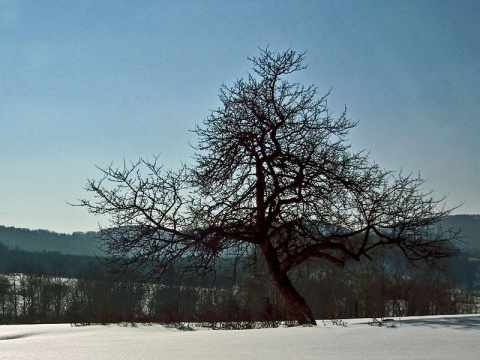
<point>273,176</point>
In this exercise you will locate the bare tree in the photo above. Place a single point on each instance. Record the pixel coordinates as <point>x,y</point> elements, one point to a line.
<point>273,176</point>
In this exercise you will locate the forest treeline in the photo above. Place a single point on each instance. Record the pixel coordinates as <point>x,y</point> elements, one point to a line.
<point>78,290</point>
<point>51,263</point>
<point>68,285</point>
<point>77,243</point>
<point>86,243</point>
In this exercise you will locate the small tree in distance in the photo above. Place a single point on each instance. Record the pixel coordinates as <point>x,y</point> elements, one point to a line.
<point>273,177</point>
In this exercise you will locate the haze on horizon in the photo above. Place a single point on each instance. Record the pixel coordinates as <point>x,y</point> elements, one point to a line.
<point>92,83</point>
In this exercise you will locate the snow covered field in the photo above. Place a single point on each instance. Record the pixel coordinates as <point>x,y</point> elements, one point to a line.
<point>433,337</point>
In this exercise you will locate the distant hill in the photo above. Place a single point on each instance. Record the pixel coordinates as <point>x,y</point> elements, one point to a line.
<point>470,227</point>
<point>80,243</point>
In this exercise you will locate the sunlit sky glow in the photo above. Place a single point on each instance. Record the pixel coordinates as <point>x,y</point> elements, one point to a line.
<point>85,83</point>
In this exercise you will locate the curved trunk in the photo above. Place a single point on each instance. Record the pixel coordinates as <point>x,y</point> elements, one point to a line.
<point>297,302</point>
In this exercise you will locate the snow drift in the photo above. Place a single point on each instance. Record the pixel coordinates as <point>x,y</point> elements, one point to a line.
<point>432,337</point>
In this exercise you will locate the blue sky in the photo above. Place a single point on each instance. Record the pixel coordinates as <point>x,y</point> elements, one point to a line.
<point>85,83</point>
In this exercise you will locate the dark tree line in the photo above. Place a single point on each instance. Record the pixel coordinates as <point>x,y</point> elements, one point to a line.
<point>388,287</point>
<point>77,243</point>
<point>274,179</point>
<point>45,263</point>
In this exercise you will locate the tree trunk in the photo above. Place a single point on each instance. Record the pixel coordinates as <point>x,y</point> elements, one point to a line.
<point>297,302</point>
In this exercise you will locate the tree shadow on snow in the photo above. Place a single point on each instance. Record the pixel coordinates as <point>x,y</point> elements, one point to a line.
<point>16,336</point>
<point>462,322</point>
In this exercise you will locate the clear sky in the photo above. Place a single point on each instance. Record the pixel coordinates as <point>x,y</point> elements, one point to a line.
<point>86,83</point>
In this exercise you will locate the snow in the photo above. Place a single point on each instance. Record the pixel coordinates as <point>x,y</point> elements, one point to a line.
<point>432,337</point>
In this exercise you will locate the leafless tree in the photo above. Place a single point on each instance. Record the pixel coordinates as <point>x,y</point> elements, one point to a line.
<point>273,176</point>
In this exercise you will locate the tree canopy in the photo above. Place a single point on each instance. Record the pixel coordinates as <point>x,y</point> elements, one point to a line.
<point>275,176</point>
